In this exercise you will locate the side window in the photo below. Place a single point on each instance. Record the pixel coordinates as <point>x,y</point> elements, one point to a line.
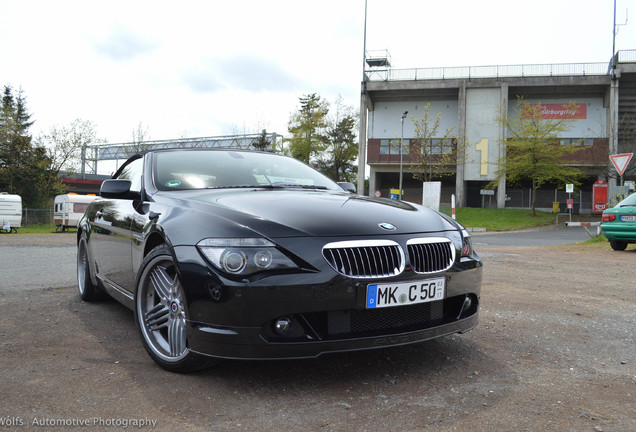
<point>133,172</point>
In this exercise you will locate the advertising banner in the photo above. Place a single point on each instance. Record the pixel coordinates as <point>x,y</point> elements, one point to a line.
<point>555,111</point>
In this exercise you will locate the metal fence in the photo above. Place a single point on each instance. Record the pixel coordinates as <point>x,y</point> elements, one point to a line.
<point>37,216</point>
<point>502,71</point>
<point>540,70</point>
<point>522,198</point>
<point>627,56</point>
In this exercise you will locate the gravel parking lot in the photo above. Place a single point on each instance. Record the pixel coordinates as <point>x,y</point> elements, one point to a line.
<point>554,351</point>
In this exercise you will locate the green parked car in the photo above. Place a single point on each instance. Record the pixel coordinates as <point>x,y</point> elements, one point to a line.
<point>619,223</point>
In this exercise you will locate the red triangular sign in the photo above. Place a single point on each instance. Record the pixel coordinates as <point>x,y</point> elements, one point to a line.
<point>620,161</point>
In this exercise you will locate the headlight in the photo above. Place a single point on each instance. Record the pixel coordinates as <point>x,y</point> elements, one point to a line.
<point>467,245</point>
<point>244,256</point>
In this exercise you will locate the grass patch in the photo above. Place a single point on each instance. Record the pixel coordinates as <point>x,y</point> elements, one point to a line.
<point>597,239</point>
<point>596,243</point>
<point>36,229</point>
<point>500,219</point>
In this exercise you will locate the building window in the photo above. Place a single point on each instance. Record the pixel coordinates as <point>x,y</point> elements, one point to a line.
<point>441,146</point>
<point>79,207</point>
<point>438,146</point>
<point>587,142</point>
<point>392,147</point>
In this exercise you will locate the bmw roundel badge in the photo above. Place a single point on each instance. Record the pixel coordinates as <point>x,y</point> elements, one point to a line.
<point>387,226</point>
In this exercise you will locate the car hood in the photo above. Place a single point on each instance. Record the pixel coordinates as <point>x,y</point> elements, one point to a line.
<point>284,213</point>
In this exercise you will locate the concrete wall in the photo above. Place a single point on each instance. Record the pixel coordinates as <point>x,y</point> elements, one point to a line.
<point>482,132</point>
<point>385,119</point>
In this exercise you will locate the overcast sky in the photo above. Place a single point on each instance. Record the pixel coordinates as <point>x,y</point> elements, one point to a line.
<point>208,68</point>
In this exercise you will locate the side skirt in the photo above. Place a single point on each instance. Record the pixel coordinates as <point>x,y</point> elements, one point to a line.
<point>118,293</point>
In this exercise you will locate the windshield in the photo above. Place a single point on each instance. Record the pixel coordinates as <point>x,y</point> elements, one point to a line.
<point>630,201</point>
<point>215,169</point>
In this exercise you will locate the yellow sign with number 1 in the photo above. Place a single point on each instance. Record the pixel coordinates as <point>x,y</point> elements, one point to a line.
<point>482,146</point>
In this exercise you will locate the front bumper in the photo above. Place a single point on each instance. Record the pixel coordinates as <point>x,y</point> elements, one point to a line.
<point>249,343</point>
<point>235,320</point>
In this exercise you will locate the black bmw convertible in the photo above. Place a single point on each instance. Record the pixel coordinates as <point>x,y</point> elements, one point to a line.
<point>230,254</point>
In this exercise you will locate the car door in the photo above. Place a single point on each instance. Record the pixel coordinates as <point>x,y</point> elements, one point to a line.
<point>111,233</point>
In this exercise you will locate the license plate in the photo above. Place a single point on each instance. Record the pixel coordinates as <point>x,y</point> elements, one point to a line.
<point>405,293</point>
<point>628,218</point>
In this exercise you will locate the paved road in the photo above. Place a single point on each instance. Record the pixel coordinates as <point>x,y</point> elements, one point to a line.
<point>550,353</point>
<point>48,261</point>
<point>32,261</point>
<point>538,237</point>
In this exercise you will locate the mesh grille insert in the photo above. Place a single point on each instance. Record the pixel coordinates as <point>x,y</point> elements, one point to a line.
<point>357,321</point>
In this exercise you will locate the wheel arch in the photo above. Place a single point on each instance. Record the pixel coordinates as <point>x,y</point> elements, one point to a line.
<point>154,239</point>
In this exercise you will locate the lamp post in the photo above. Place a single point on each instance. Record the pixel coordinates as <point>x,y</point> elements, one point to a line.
<point>401,157</point>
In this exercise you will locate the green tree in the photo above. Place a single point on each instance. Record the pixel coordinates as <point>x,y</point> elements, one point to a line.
<point>337,160</point>
<point>67,145</point>
<point>139,141</point>
<point>15,140</point>
<point>262,143</point>
<point>40,183</point>
<point>533,150</point>
<point>433,153</point>
<point>308,129</point>
<point>24,168</point>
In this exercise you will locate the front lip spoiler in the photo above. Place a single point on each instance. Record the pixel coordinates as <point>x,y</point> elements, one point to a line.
<point>253,347</point>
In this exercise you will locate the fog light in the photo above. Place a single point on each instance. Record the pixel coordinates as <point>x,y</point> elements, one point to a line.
<point>467,303</point>
<point>283,325</point>
<point>216,291</point>
<point>466,306</point>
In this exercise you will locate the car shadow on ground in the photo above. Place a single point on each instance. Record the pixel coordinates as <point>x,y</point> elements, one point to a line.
<point>454,359</point>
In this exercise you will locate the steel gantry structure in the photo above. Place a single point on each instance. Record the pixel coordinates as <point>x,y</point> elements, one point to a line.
<point>119,151</point>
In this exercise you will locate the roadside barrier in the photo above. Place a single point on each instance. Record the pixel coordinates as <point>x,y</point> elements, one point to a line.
<point>585,225</point>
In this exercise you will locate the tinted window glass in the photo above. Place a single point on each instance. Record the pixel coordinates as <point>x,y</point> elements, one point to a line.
<point>133,172</point>
<point>201,169</point>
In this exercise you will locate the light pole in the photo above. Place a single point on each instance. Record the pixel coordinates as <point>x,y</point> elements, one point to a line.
<point>401,157</point>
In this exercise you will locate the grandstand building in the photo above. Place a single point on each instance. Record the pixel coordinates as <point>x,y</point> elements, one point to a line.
<point>469,100</point>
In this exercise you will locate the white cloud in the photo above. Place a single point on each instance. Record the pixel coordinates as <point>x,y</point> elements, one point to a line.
<point>241,72</point>
<point>123,43</point>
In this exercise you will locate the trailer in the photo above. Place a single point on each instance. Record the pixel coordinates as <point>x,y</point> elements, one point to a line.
<point>10,212</point>
<point>68,209</point>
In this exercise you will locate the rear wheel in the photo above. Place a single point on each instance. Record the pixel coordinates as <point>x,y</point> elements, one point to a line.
<point>160,314</point>
<point>618,245</point>
<point>87,290</point>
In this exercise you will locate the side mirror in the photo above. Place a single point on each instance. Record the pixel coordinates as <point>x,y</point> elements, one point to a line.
<point>348,186</point>
<point>118,189</point>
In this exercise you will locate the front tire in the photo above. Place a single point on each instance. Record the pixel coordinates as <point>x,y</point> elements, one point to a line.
<point>160,314</point>
<point>618,245</point>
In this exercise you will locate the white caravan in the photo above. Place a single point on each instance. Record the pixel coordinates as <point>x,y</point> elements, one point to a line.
<point>10,212</point>
<point>68,209</point>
